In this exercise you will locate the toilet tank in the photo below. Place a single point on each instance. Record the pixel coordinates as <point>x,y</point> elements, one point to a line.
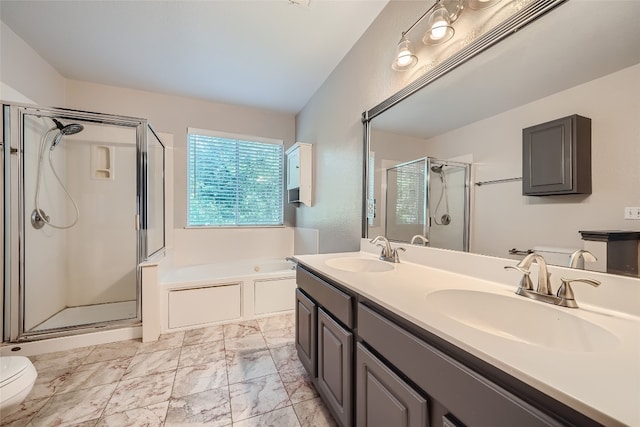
<point>557,255</point>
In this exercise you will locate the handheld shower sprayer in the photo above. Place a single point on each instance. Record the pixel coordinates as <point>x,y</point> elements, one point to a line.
<point>70,129</point>
<point>445,219</point>
<point>38,217</point>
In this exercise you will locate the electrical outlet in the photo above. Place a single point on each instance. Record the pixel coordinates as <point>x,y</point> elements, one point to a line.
<point>632,213</point>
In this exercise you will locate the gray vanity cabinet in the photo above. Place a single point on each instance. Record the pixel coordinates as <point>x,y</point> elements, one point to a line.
<point>324,341</point>
<point>306,315</point>
<point>403,376</point>
<point>383,399</point>
<point>470,397</point>
<point>335,356</point>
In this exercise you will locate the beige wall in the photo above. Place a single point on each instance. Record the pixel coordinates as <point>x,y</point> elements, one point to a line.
<point>173,114</point>
<point>364,78</point>
<point>25,76</point>
<point>331,120</point>
<point>501,217</point>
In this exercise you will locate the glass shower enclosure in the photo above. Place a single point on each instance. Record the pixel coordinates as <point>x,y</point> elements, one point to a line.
<point>83,207</point>
<point>429,197</point>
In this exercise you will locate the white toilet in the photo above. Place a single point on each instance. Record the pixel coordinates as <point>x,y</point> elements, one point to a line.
<point>17,376</point>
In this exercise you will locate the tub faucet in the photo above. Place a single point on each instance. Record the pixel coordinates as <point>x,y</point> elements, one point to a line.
<point>574,260</point>
<point>419,237</point>
<point>388,253</point>
<point>292,260</point>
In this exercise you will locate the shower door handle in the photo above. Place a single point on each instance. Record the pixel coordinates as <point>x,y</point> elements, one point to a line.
<point>137,222</point>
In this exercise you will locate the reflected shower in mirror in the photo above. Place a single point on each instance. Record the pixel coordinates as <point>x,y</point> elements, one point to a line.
<point>565,62</point>
<point>425,197</point>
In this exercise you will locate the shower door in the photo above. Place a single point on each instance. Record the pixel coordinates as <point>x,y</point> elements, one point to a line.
<point>448,207</point>
<point>76,193</point>
<point>428,197</point>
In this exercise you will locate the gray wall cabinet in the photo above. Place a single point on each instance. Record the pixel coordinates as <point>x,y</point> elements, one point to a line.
<point>556,157</point>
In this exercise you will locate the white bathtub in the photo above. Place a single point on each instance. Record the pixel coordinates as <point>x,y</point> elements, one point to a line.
<point>191,275</point>
<point>199,295</point>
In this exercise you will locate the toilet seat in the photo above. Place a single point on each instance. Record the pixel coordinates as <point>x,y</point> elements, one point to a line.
<point>17,377</point>
<point>12,368</point>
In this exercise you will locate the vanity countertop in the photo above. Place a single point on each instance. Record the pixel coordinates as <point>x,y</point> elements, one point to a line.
<point>602,383</point>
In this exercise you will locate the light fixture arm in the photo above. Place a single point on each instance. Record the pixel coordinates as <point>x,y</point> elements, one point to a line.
<point>404,33</point>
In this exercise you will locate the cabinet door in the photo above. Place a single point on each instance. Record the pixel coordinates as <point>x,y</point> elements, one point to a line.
<point>382,398</point>
<point>293,169</point>
<point>335,355</point>
<point>556,157</point>
<point>306,332</point>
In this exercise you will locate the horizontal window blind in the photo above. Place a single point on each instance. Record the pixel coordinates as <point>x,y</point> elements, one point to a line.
<point>410,194</point>
<point>234,182</point>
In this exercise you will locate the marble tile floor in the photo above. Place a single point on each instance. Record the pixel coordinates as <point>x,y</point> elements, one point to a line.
<point>241,375</point>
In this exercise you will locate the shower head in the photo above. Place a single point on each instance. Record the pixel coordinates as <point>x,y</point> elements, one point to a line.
<point>70,129</point>
<point>437,168</point>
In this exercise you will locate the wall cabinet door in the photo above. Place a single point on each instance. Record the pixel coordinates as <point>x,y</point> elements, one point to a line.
<point>382,398</point>
<point>306,315</point>
<point>335,356</point>
<point>293,169</point>
<point>556,157</point>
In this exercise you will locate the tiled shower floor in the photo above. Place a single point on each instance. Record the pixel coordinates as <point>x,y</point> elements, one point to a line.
<point>240,375</point>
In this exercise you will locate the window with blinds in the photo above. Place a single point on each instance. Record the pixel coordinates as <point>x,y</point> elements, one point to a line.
<point>234,180</point>
<point>410,190</point>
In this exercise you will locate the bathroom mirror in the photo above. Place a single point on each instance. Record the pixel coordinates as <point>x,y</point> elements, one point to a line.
<point>576,59</point>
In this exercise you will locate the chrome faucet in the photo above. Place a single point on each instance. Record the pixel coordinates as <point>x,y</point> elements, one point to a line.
<point>419,237</point>
<point>564,296</point>
<point>543,272</point>
<point>388,253</point>
<point>574,260</point>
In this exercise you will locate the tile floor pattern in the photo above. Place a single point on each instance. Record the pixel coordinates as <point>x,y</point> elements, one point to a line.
<point>242,375</point>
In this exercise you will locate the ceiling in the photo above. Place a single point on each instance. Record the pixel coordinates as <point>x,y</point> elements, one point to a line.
<point>269,54</point>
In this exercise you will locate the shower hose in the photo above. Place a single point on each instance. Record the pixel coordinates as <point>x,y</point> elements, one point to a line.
<point>39,211</point>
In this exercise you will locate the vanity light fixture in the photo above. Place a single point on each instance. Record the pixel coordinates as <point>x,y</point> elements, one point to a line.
<point>439,26</point>
<point>440,17</point>
<point>405,58</point>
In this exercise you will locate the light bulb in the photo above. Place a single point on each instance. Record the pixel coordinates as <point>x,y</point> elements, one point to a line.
<point>439,29</point>
<point>439,24</point>
<point>404,58</point>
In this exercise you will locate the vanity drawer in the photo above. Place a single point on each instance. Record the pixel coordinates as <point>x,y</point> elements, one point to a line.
<point>473,399</point>
<point>338,303</point>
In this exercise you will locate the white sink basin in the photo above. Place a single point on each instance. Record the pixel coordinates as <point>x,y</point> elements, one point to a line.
<point>359,265</point>
<point>519,319</point>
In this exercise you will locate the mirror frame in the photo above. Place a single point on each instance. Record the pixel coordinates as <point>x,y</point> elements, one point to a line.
<point>527,15</point>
